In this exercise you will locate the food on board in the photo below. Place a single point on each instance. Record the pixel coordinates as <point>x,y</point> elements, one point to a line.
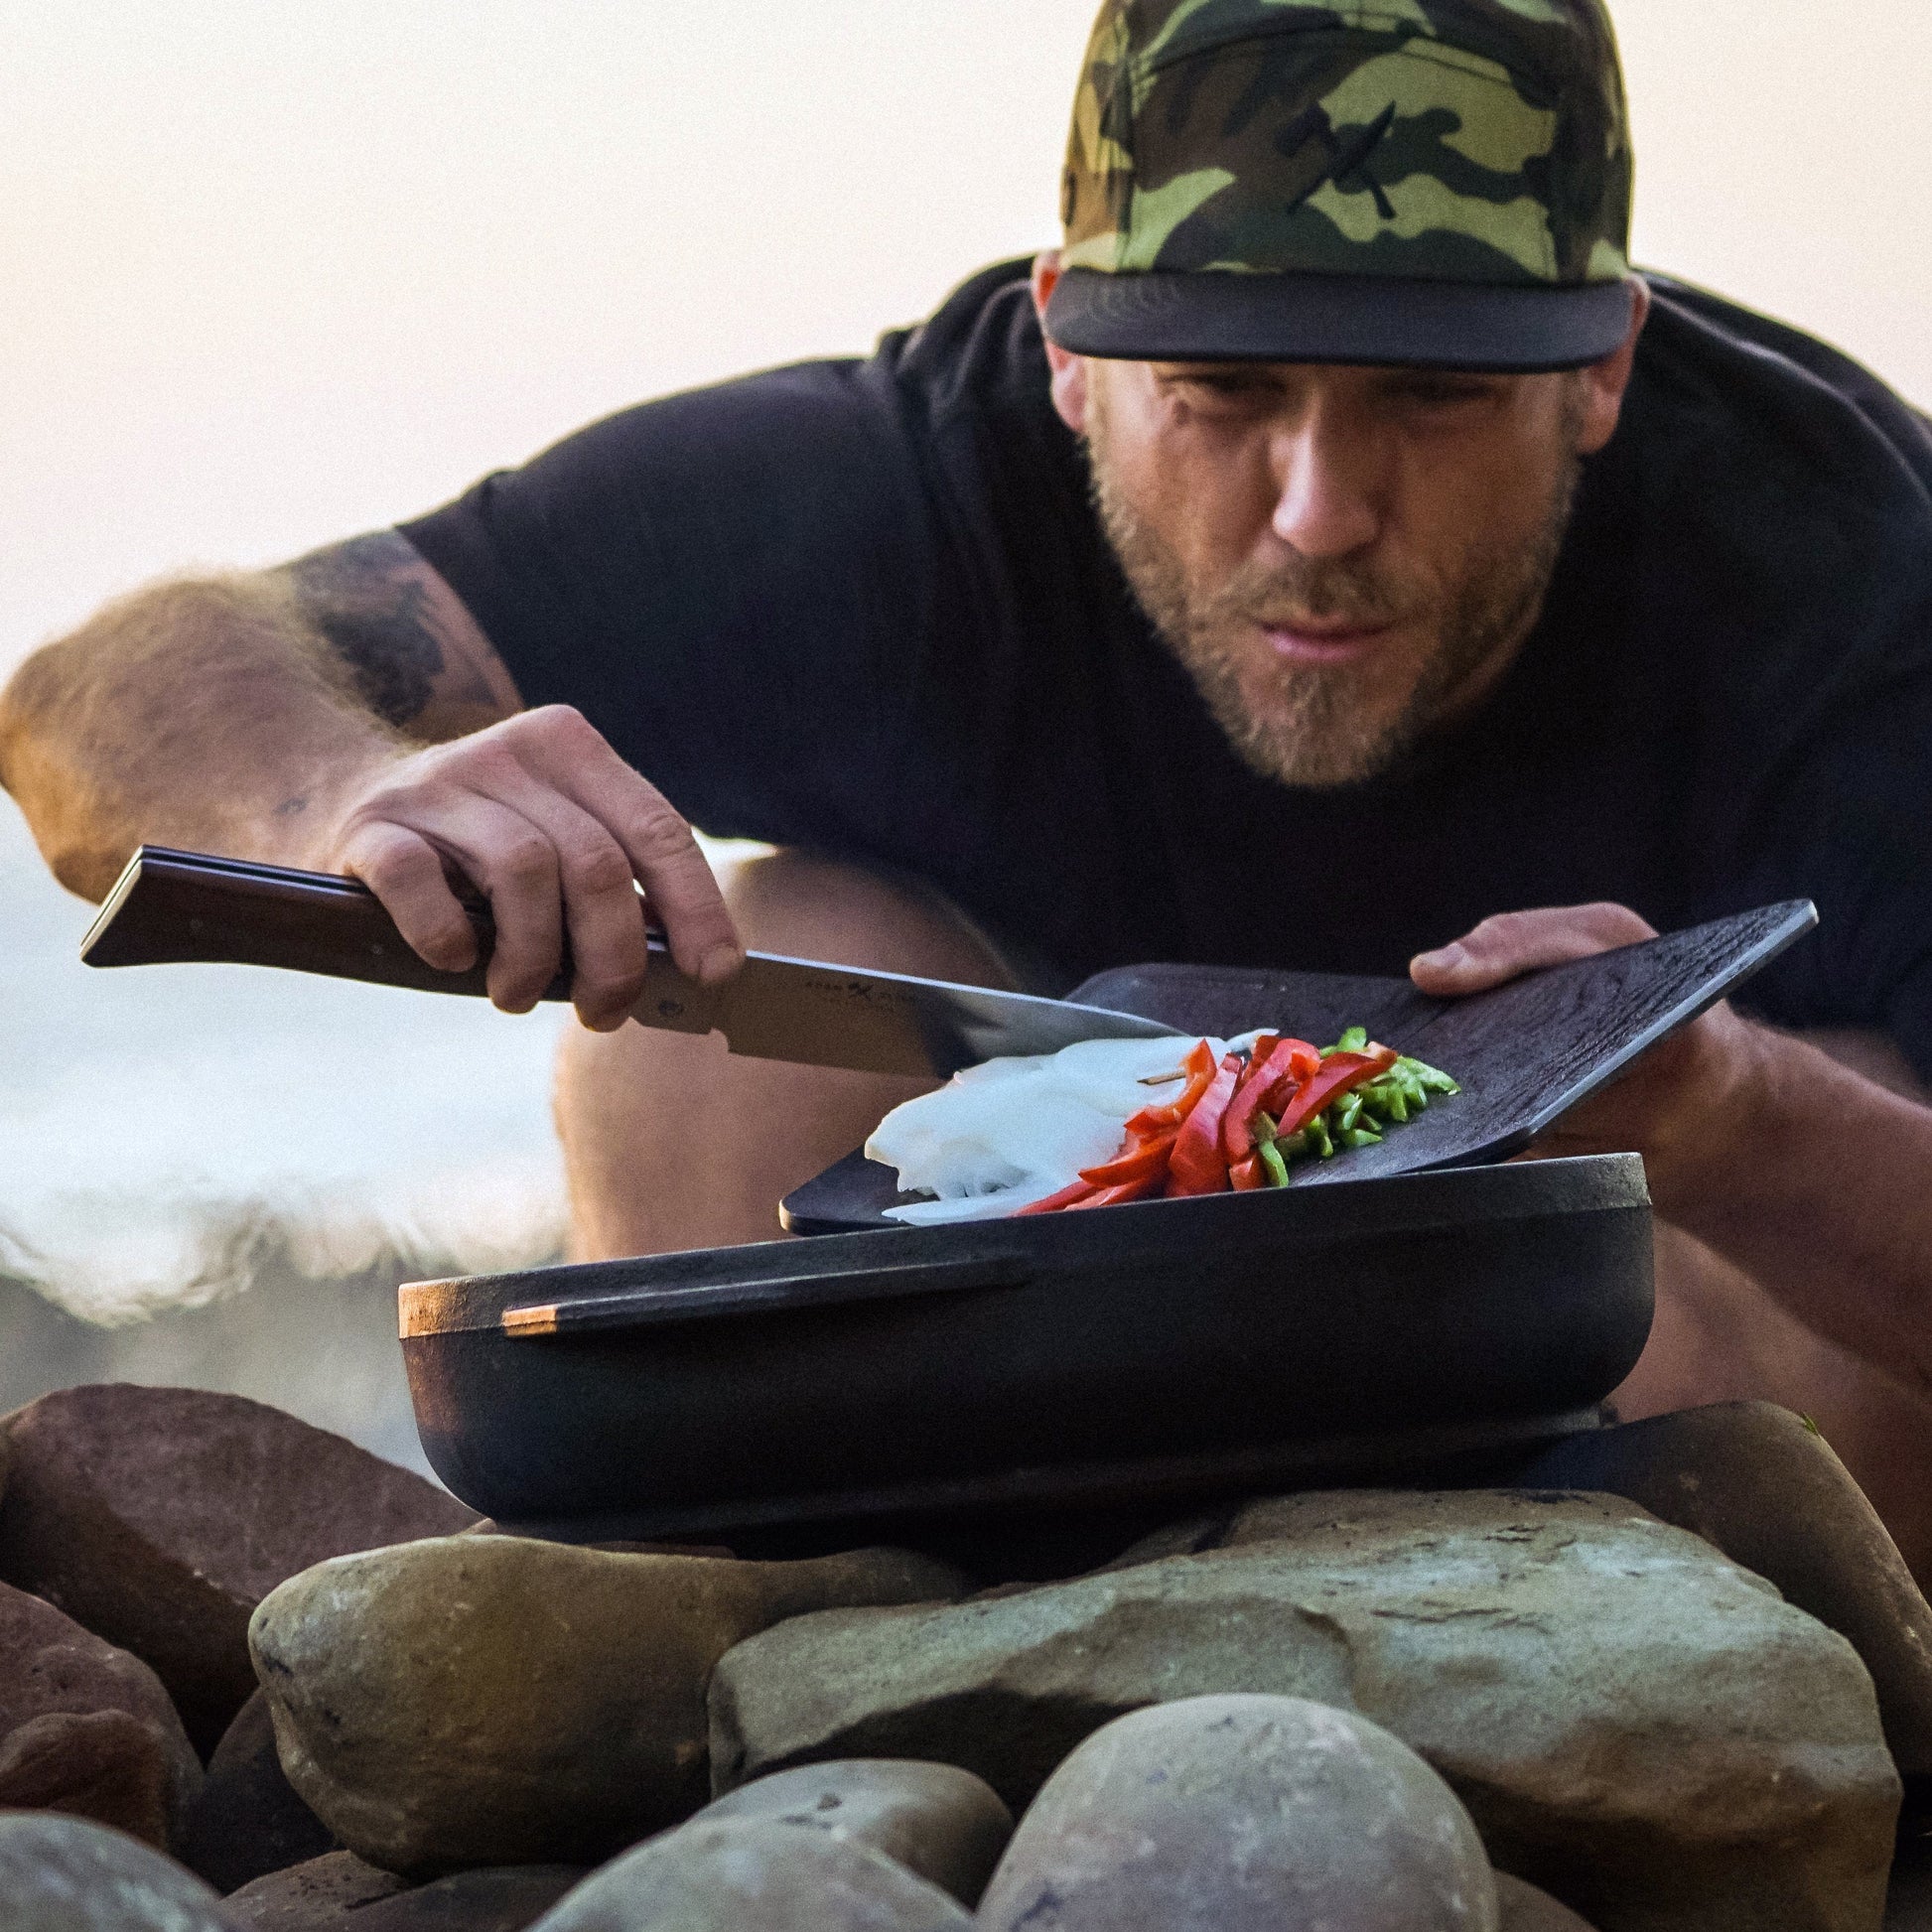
<point>1111,1121</point>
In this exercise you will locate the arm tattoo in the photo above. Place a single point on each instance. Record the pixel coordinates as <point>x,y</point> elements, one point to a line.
<point>368,600</point>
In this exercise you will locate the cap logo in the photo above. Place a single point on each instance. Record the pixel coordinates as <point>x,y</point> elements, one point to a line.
<point>1347,160</point>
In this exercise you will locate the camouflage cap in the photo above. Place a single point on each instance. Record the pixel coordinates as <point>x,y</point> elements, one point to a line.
<point>1436,182</point>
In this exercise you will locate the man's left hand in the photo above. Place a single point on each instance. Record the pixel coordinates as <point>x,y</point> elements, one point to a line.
<point>1678,1105</point>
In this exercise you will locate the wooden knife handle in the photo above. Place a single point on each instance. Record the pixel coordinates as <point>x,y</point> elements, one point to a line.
<point>176,907</point>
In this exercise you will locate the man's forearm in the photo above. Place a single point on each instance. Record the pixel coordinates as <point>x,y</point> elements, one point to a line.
<point>224,713</point>
<point>1820,1187</point>
<point>207,714</point>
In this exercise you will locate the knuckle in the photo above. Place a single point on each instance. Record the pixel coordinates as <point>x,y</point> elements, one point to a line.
<point>527,862</point>
<point>600,867</point>
<point>662,837</point>
<point>561,724</point>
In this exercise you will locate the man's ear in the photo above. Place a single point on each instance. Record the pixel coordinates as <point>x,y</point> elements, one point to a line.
<point>1606,382</point>
<point>1069,370</point>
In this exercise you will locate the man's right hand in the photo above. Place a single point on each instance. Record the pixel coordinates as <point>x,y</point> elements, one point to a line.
<point>543,817</point>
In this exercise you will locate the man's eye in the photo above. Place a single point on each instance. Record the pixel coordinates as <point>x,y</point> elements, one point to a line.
<point>1212,388</point>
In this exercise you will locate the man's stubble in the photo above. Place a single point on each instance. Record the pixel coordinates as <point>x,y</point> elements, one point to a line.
<point>1325,727</point>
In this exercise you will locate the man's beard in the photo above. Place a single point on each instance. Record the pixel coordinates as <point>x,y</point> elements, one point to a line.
<point>1326,726</point>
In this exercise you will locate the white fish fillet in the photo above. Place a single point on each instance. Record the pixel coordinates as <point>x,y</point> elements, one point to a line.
<point>1002,1135</point>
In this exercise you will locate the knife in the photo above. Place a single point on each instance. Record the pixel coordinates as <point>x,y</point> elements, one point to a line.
<point>179,908</point>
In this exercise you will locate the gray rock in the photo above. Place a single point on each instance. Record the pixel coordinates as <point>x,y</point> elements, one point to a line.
<point>500,1701</point>
<point>158,1518</point>
<point>1766,1489</point>
<point>246,1820</point>
<point>315,1895</point>
<point>1243,1814</point>
<point>753,1876</point>
<point>87,1730</point>
<point>936,1820</point>
<point>1635,1724</point>
<point>1525,1908</point>
<point>67,1875</point>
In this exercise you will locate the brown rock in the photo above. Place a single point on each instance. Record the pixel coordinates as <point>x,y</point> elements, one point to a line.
<point>936,1820</point>
<point>1243,1814</point>
<point>339,1893</point>
<point>317,1895</point>
<point>499,1700</point>
<point>158,1518</point>
<point>749,1876</point>
<point>1766,1489</point>
<point>246,1820</point>
<point>85,1729</point>
<point>1526,1909</point>
<point>68,1874</point>
<point>505,1899</point>
<point>1636,1723</point>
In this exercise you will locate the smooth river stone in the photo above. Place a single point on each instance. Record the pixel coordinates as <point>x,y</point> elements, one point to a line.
<point>1636,1723</point>
<point>1766,1488</point>
<point>936,1820</point>
<point>478,1700</point>
<point>750,1875</point>
<point>67,1875</point>
<point>1243,1814</point>
<point>158,1518</point>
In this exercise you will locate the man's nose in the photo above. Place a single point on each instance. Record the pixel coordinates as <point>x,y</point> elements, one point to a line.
<point>1327,497</point>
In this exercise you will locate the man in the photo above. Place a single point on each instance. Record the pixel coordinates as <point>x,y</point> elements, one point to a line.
<point>1335,550</point>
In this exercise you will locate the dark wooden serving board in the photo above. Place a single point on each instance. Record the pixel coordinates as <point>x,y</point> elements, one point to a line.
<point>1525,1054</point>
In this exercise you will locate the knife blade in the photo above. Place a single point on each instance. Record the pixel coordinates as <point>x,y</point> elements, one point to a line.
<point>177,907</point>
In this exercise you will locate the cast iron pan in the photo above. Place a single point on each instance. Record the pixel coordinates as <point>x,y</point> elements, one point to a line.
<point>876,1383</point>
<point>1525,1054</point>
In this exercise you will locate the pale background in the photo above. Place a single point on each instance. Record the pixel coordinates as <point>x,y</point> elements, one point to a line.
<point>272,271</point>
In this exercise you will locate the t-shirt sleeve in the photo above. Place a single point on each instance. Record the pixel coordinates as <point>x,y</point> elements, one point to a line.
<point>730,584</point>
<point>1846,819</point>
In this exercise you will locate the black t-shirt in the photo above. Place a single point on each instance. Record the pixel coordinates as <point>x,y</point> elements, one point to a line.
<point>865,607</point>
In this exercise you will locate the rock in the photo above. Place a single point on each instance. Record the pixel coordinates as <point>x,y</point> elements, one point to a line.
<point>499,1701</point>
<point>158,1518</point>
<point>1636,1723</point>
<point>1526,1909</point>
<point>753,1876</point>
<point>68,1874</point>
<point>314,1897</point>
<point>247,1821</point>
<point>1754,1480</point>
<point>339,1893</point>
<point>85,1729</point>
<point>936,1820</point>
<point>505,1899</point>
<point>1243,1814</point>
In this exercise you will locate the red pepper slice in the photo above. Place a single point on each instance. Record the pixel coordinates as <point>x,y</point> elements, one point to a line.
<point>1338,1074</point>
<point>1067,1197</point>
<point>1147,1183</point>
<point>1288,1059</point>
<point>1245,1176</point>
<point>1132,1164</point>
<point>1200,1068</point>
<point>1197,1165</point>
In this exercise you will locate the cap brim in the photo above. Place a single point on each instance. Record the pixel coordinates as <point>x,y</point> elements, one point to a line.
<point>1217,316</point>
